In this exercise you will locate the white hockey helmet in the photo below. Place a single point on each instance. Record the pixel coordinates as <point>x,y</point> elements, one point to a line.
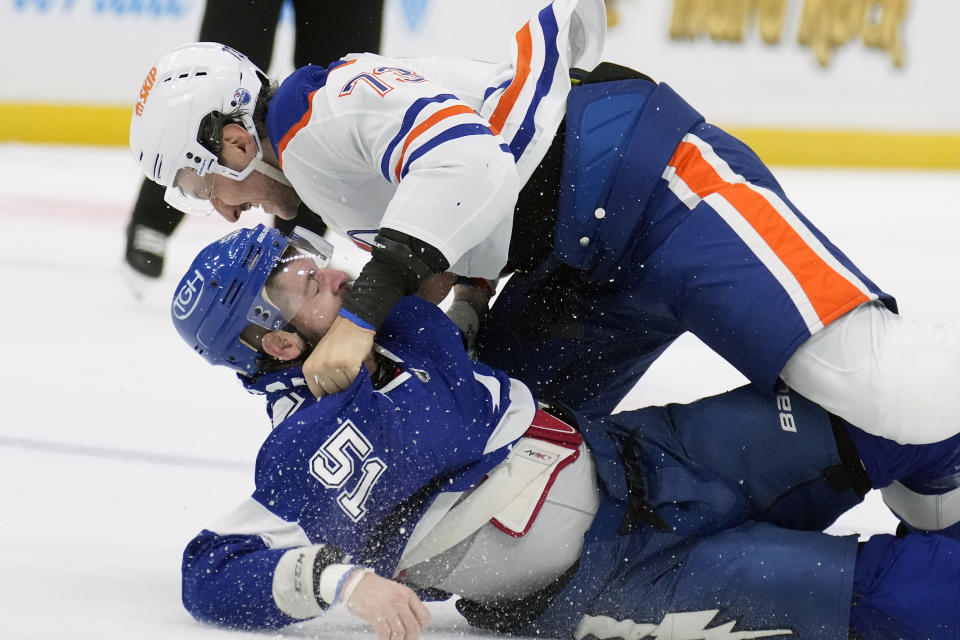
<point>179,91</point>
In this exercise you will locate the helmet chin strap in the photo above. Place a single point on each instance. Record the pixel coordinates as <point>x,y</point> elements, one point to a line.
<point>270,171</point>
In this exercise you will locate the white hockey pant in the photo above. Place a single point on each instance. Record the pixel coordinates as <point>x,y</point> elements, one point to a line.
<point>894,377</point>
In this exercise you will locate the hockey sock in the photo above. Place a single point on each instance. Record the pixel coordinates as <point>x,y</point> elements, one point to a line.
<point>906,588</point>
<point>920,483</point>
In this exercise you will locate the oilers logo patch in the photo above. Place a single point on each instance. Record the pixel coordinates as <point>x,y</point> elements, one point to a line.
<point>241,96</point>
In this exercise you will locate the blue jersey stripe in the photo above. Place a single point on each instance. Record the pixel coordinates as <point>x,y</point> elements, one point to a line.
<point>523,136</point>
<point>459,131</point>
<point>408,119</point>
<point>491,90</point>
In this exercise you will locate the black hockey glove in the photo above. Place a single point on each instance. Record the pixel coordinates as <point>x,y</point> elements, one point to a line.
<point>398,265</point>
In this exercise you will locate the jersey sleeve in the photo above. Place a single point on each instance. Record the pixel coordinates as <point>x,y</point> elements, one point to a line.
<point>228,581</point>
<point>256,571</point>
<point>455,180</point>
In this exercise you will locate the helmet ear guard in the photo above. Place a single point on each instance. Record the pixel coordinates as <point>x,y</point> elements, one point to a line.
<point>184,87</point>
<point>222,294</point>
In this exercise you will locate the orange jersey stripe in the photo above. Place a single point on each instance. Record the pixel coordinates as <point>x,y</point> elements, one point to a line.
<point>301,123</point>
<point>829,292</point>
<point>449,112</point>
<point>509,98</point>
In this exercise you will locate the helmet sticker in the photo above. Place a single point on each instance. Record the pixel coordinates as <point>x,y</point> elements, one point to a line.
<point>241,96</point>
<point>188,297</point>
<point>145,91</point>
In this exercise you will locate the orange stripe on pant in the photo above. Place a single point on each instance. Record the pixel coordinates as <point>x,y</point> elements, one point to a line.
<point>829,292</point>
<point>509,97</point>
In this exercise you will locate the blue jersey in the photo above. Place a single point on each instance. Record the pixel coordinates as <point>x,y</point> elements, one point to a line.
<point>335,470</point>
<point>356,471</point>
<point>398,447</point>
<point>741,486</point>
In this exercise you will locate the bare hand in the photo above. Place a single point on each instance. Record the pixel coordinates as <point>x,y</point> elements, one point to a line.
<point>392,609</point>
<point>478,296</point>
<point>436,287</point>
<point>336,360</point>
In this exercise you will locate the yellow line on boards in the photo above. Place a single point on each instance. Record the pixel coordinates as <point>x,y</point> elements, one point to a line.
<point>829,148</point>
<point>109,125</point>
<point>64,123</point>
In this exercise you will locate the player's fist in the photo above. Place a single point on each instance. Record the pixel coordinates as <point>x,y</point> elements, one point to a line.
<point>337,358</point>
<point>392,609</point>
<point>436,287</point>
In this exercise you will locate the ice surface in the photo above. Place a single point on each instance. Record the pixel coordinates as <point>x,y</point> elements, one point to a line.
<point>117,444</point>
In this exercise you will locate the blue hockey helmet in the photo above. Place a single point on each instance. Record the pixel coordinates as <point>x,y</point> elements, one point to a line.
<point>225,291</point>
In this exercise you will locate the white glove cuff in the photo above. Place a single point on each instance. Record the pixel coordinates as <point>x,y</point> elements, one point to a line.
<point>293,583</point>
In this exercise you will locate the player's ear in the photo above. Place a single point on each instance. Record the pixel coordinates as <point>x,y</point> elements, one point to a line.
<point>283,345</point>
<point>239,147</point>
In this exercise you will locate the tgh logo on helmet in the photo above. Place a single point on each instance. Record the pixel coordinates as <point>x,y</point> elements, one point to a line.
<point>188,297</point>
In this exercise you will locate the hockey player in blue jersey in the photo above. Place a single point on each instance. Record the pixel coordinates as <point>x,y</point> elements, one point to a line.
<point>626,218</point>
<point>435,475</point>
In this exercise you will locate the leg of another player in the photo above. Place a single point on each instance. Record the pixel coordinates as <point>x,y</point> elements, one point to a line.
<point>891,376</point>
<point>326,31</point>
<point>150,225</point>
<point>907,588</point>
<point>919,483</point>
<point>248,27</point>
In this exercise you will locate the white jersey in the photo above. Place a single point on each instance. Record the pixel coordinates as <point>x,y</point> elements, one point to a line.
<point>437,148</point>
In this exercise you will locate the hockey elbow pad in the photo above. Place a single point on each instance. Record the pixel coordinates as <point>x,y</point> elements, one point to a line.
<point>398,265</point>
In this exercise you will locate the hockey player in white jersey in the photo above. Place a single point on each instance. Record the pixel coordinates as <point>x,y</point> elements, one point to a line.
<point>600,189</point>
<point>435,475</point>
